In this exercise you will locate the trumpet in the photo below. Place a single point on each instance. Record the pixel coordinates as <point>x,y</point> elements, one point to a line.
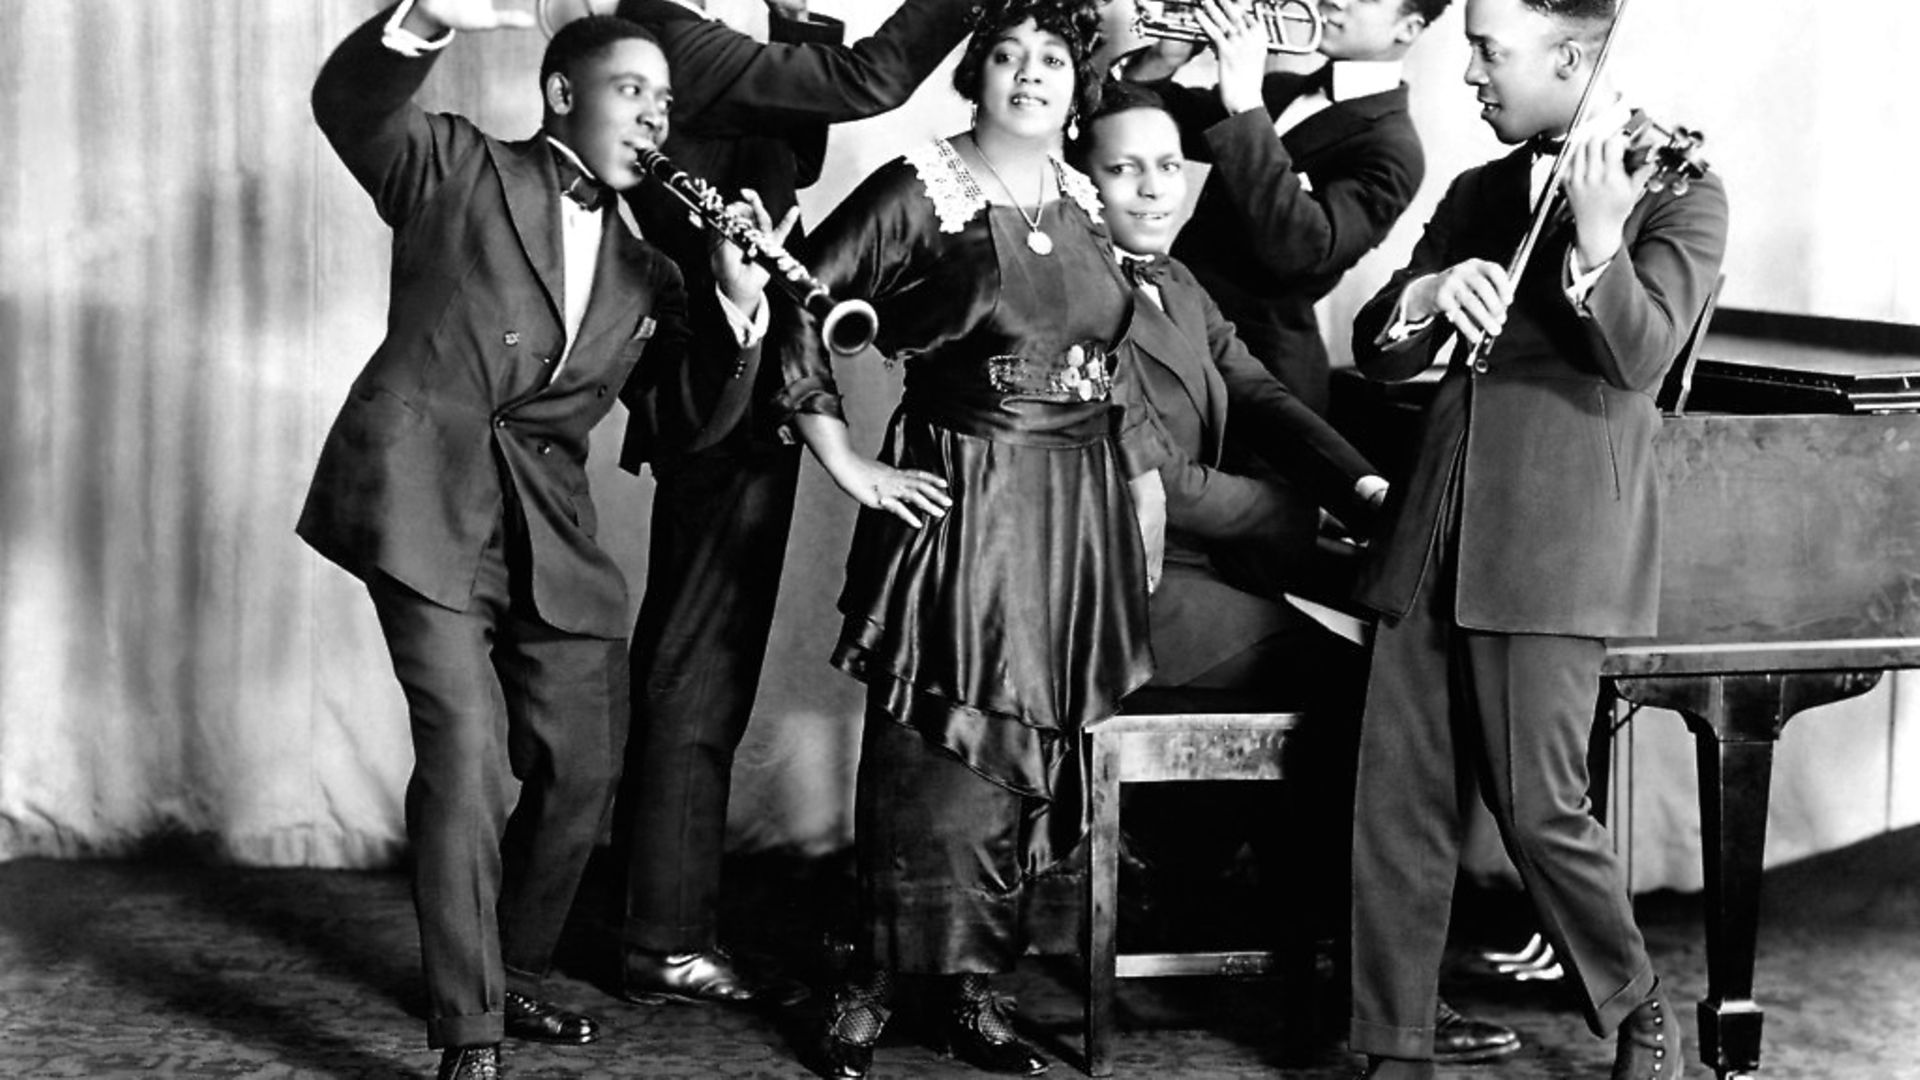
<point>847,326</point>
<point>1292,26</point>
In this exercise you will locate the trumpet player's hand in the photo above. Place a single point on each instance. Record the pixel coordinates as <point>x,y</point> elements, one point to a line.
<point>1240,42</point>
<point>911,495</point>
<point>741,279</point>
<point>1160,59</point>
<point>1473,296</point>
<point>431,18</point>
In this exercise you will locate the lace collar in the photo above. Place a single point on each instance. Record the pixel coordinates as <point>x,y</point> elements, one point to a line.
<point>956,194</point>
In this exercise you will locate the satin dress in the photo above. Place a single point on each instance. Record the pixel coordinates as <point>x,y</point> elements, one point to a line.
<point>991,636</point>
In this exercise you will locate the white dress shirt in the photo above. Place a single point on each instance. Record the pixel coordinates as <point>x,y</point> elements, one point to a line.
<point>1351,79</point>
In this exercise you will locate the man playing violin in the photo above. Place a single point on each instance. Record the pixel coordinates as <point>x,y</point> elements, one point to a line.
<point>1524,536</point>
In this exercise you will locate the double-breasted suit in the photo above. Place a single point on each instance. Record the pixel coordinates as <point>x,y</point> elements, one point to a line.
<point>746,114</point>
<point>1282,217</point>
<point>1526,533</point>
<point>453,483</point>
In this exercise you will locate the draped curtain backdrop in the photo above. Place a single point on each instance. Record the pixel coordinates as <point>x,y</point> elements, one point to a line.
<point>189,280</point>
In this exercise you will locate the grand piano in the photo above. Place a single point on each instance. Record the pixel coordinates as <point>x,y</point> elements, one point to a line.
<point>1790,578</point>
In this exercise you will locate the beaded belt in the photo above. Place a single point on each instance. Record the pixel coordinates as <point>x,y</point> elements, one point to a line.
<point>1082,373</point>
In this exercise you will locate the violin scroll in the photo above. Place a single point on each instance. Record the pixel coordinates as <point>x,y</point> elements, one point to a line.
<point>1675,153</point>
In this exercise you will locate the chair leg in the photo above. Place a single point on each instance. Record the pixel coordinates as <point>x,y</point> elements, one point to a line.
<point>1103,886</point>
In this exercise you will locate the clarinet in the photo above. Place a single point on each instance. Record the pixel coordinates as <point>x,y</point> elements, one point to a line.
<point>847,326</point>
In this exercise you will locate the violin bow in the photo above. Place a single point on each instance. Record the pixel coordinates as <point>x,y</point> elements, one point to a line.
<point>1542,208</point>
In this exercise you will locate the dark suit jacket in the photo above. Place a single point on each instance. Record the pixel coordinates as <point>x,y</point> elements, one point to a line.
<point>453,420</point>
<point>1188,370</point>
<point>1267,245</point>
<point>1559,514</point>
<point>754,114</point>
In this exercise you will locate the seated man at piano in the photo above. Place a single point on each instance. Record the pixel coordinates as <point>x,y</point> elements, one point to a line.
<point>1220,642</point>
<point>1527,531</point>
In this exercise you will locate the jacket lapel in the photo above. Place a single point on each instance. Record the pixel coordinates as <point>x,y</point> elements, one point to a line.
<point>527,176</point>
<point>1202,378</point>
<point>619,287</point>
<point>1339,122</point>
<point>1160,335</point>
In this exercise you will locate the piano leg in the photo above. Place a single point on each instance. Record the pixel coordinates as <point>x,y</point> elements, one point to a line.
<point>1735,720</point>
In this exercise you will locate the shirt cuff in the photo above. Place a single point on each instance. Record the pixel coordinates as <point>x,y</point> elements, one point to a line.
<point>407,43</point>
<point>1370,489</point>
<point>1576,283</point>
<point>1400,328</point>
<point>747,330</point>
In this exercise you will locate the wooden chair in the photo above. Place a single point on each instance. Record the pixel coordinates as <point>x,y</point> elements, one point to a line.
<point>1146,748</point>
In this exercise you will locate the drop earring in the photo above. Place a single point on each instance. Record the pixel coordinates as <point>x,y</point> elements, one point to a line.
<point>1073,125</point>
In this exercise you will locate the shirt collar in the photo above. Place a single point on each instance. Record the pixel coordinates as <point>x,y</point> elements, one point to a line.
<point>567,151</point>
<point>693,7</point>
<point>1358,78</point>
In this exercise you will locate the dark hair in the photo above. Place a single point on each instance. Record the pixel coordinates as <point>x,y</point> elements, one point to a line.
<point>1115,98</point>
<point>586,37</point>
<point>1077,22</point>
<point>1591,19</point>
<point>1429,10</point>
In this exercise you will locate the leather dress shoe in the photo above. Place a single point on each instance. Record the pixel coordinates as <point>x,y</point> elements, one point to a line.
<point>543,1021</point>
<point>692,978</point>
<point>966,1040</point>
<point>1649,1046</point>
<point>1458,1039</point>
<point>470,1063</point>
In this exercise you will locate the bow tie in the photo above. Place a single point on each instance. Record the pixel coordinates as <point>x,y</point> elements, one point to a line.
<point>591,194</point>
<point>1546,145</point>
<point>1143,270</point>
<point>1319,81</point>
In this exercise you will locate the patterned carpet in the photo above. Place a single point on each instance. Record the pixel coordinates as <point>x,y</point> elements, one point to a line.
<point>160,968</point>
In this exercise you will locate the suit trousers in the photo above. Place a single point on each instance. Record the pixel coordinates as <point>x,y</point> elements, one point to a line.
<point>719,533</point>
<point>493,692</point>
<point>1446,705</point>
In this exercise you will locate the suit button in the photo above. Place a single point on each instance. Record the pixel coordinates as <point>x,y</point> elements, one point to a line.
<point>511,338</point>
<point>500,421</point>
<point>546,359</point>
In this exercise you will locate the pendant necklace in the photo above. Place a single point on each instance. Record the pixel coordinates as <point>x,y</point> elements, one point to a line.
<point>1037,240</point>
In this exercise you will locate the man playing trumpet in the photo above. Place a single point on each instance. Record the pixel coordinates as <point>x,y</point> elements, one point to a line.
<point>1310,172</point>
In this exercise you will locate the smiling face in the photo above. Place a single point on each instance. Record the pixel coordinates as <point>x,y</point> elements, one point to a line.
<point>1134,158</point>
<point>1527,68</point>
<point>1367,29</point>
<point>614,100</point>
<point>1026,84</point>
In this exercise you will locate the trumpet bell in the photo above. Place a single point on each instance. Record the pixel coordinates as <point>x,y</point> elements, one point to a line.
<point>1293,27</point>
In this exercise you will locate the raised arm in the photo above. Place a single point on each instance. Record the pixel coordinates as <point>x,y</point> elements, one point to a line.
<point>1297,232</point>
<point>743,83</point>
<point>363,103</point>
